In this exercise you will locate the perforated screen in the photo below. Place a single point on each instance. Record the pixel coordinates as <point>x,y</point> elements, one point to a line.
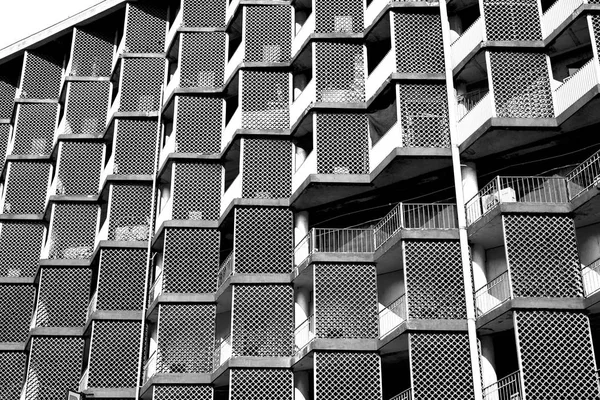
<point>418,43</point>
<point>542,255</point>
<point>339,16</point>
<point>146,28</point>
<point>12,373</point>
<point>121,279</point>
<point>267,169</point>
<point>114,355</point>
<point>441,366</point>
<point>197,191</point>
<point>4,137</point>
<point>262,384</point>
<point>199,135</point>
<point>186,334</point>
<point>347,375</point>
<point>263,240</point>
<point>546,340</point>
<point>268,45</point>
<point>26,188</point>
<point>79,168</point>
<point>16,312</point>
<point>424,115</point>
<point>63,297</point>
<point>177,392</point>
<point>92,54</point>
<point>34,130</point>
<point>86,108</point>
<point>190,247</point>
<point>521,85</point>
<point>204,13</point>
<point>7,97</point>
<point>20,253</point>
<point>512,20</point>
<point>141,84</point>
<point>73,231</point>
<point>130,213</point>
<point>202,59</point>
<point>340,72</point>
<point>135,146</point>
<point>346,301</point>
<point>41,77</point>
<point>342,144</point>
<point>263,321</point>
<point>265,100</point>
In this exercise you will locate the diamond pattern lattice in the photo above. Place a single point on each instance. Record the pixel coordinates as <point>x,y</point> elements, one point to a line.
<point>521,85</point>
<point>418,43</point>
<point>262,384</point>
<point>146,28</point>
<point>263,321</point>
<point>263,240</point>
<point>92,54</point>
<point>267,169</point>
<point>87,108</point>
<point>141,84</point>
<point>73,231</point>
<point>202,59</point>
<point>22,256</point>
<point>4,138</point>
<point>7,97</point>
<point>130,213</point>
<point>79,167</point>
<point>191,260</point>
<point>177,392</point>
<point>424,115</point>
<point>204,13</point>
<point>197,191</point>
<point>121,279</point>
<point>199,135</point>
<point>340,72</point>
<point>434,280</point>
<point>34,129</point>
<point>346,375</point>
<point>441,366</point>
<point>542,255</point>
<point>346,301</point>
<point>186,334</point>
<point>41,77</point>
<point>556,354</point>
<point>336,16</point>
<point>342,144</point>
<point>135,146</point>
<point>12,373</point>
<point>512,20</point>
<point>271,45</point>
<point>265,100</point>
<point>16,311</point>
<point>26,187</point>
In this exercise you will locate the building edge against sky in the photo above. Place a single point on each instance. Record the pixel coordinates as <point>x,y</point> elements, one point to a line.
<point>309,199</point>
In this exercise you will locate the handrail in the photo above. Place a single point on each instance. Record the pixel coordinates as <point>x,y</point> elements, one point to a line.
<point>392,316</point>
<point>406,395</point>
<point>590,274</point>
<point>584,176</point>
<point>505,388</point>
<point>333,240</point>
<point>469,100</point>
<point>304,333</point>
<point>493,294</point>
<point>226,269</point>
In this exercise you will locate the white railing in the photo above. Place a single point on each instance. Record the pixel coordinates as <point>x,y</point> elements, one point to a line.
<point>467,41</point>
<point>92,306</point>
<point>517,189</point>
<point>150,366</point>
<point>83,382</point>
<point>304,101</point>
<point>303,34</point>
<point>223,351</point>
<point>234,191</point>
<point>388,142</point>
<point>233,125</point>
<point>226,269</point>
<point>392,316</point>
<point>324,240</point>
<point>373,11</point>
<point>584,176</point>
<point>591,278</point>
<point>382,71</point>
<point>578,84</point>
<point>165,214</point>
<point>305,170</point>
<point>236,59</point>
<point>474,118</point>
<point>507,388</point>
<point>304,333</point>
<point>406,395</point>
<point>493,294</point>
<point>554,16</point>
<point>156,288</point>
<point>468,101</point>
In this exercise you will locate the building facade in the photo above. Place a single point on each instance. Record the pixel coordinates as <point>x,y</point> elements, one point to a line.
<point>303,200</point>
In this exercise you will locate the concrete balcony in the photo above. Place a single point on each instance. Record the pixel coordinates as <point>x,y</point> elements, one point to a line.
<point>495,293</point>
<point>303,102</point>
<point>223,351</point>
<point>468,42</point>
<point>303,35</point>
<point>391,316</point>
<point>559,13</point>
<point>235,61</point>
<point>571,91</point>
<point>471,120</point>
<point>507,388</point>
<point>378,77</point>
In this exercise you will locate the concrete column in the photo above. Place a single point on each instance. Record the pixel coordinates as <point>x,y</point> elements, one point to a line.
<point>301,383</point>
<point>469,180</point>
<point>302,306</point>
<point>300,226</point>
<point>478,261</point>
<point>488,361</point>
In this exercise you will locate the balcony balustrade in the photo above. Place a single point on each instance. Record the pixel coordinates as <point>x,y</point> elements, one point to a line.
<point>156,289</point>
<point>392,316</point>
<point>234,191</point>
<point>591,278</point>
<point>223,351</point>
<point>382,71</point>
<point>92,306</point>
<point>150,366</point>
<point>406,395</point>
<point>467,41</point>
<point>507,388</point>
<point>558,13</point>
<point>303,102</point>
<point>584,176</point>
<point>472,116</point>
<point>495,293</point>
<point>83,382</point>
<point>324,240</point>
<point>303,34</point>
<point>304,333</point>
<point>576,85</point>
<point>226,269</point>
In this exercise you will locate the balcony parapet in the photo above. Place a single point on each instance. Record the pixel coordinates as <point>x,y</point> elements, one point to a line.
<point>467,42</point>
<point>495,293</point>
<point>576,86</point>
<point>585,176</point>
<point>304,333</point>
<point>591,278</point>
<point>392,316</point>
<point>507,388</point>
<point>406,395</point>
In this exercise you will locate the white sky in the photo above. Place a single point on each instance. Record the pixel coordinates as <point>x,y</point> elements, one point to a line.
<point>21,18</point>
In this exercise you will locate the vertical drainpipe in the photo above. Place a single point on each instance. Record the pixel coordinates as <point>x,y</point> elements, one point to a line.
<point>462,220</point>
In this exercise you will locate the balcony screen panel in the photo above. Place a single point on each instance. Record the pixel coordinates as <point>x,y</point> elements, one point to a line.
<point>135,146</point>
<point>263,240</point>
<point>262,384</point>
<point>342,144</point>
<point>542,255</point>
<point>346,301</point>
<point>73,231</point>
<point>340,72</point>
<point>441,366</point>
<point>186,334</point>
<point>87,108</point>
<point>337,16</point>
<point>263,321</point>
<point>272,45</point>
<point>595,22</point>
<point>41,77</point>
<point>20,252</point>
<point>202,59</point>
<point>34,130</point>
<point>141,84</point>
<point>12,373</point>
<point>49,376</point>
<point>419,45</point>
<point>267,169</point>
<point>4,138</point>
<point>121,279</point>
<point>63,297</point>
<point>177,392</point>
<point>26,188</point>
<point>199,135</point>
<point>146,28</point>
<point>197,192</point>
<point>130,213</point>
<point>512,20</point>
<point>204,13</point>
<point>7,97</point>
<point>265,100</point>
<point>92,54</point>
<point>16,312</point>
<point>549,338</point>
<point>114,356</point>
<point>79,168</point>
<point>187,247</point>
<point>348,375</point>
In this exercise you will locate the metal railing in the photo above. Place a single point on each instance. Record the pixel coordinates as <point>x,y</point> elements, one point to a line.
<point>332,240</point>
<point>468,101</point>
<point>92,306</point>
<point>517,189</point>
<point>507,388</point>
<point>222,352</point>
<point>590,275</point>
<point>392,316</point>
<point>584,176</point>
<point>406,395</point>
<point>304,333</point>
<point>225,270</point>
<point>493,294</point>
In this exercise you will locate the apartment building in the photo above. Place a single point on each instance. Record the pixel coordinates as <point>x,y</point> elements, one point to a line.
<point>302,199</point>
